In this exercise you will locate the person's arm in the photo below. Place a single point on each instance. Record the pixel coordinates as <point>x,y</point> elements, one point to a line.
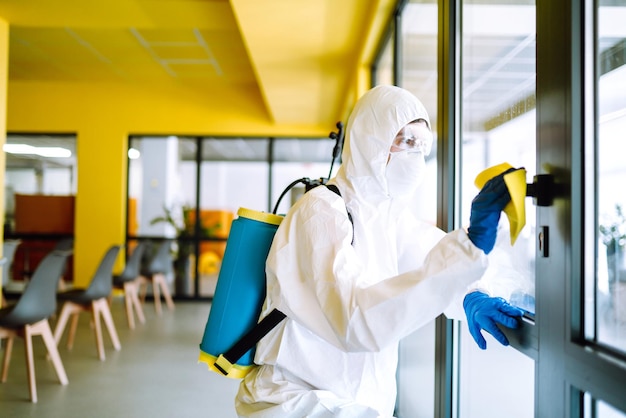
<point>484,312</point>
<point>316,278</point>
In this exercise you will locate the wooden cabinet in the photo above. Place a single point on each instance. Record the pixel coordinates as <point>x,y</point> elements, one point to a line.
<point>40,222</point>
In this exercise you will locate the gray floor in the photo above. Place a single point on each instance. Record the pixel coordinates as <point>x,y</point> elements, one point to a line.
<point>155,374</point>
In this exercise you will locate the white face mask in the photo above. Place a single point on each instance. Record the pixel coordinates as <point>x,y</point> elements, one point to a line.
<point>405,172</point>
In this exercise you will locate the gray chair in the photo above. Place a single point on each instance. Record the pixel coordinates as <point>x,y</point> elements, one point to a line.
<point>9,248</point>
<point>158,268</point>
<point>29,317</point>
<point>128,281</point>
<point>93,299</point>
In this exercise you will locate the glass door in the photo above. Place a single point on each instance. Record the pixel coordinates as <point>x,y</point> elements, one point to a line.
<point>609,328</point>
<point>498,125</point>
<point>581,114</point>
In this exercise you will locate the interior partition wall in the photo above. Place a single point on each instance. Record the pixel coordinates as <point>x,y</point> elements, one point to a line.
<point>189,190</point>
<point>40,171</point>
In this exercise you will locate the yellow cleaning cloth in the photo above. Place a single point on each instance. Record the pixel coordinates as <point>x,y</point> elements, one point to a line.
<point>515,182</point>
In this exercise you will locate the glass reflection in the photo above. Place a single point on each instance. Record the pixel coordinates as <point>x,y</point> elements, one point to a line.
<point>418,74</point>
<point>611,176</point>
<point>499,125</point>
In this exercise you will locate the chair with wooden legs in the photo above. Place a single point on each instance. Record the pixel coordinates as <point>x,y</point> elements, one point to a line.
<point>159,266</point>
<point>94,299</point>
<point>29,317</point>
<point>128,281</point>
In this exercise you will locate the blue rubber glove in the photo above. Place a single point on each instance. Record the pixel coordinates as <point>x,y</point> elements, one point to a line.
<point>485,213</point>
<point>484,312</point>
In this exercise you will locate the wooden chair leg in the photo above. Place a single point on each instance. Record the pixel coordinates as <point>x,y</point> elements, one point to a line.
<point>7,356</point>
<point>71,335</point>
<point>128,302</point>
<point>166,291</point>
<point>95,311</point>
<point>27,332</point>
<point>134,297</point>
<point>142,288</point>
<point>156,292</point>
<point>30,363</point>
<point>43,329</point>
<point>66,311</point>
<point>108,321</point>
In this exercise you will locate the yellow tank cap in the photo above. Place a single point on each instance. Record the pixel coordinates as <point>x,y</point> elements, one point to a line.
<point>255,215</point>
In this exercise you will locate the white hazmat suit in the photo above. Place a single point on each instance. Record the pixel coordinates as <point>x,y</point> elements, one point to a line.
<point>348,303</point>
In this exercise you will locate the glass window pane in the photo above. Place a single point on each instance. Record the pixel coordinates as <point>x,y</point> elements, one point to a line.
<point>161,195</point>
<point>164,202</point>
<point>418,74</point>
<point>30,170</point>
<point>233,174</point>
<point>595,408</point>
<point>162,180</point>
<point>295,159</point>
<point>40,170</point>
<point>611,175</point>
<point>384,67</point>
<point>498,125</point>
<point>483,376</point>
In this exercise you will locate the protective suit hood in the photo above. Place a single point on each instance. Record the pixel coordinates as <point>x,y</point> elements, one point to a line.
<point>376,119</point>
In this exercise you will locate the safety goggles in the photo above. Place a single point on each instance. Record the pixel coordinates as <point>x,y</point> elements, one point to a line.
<point>414,137</point>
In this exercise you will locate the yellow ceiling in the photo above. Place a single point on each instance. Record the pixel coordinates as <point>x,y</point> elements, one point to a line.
<point>296,58</point>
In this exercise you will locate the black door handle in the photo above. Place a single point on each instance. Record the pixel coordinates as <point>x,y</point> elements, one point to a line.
<point>542,189</point>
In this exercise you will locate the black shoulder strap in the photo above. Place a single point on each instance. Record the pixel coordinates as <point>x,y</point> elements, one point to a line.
<point>226,361</point>
<point>335,190</point>
<point>248,341</point>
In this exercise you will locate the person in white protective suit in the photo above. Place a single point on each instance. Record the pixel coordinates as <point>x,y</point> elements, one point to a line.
<point>351,290</point>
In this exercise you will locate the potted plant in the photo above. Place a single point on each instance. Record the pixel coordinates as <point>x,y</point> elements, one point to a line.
<point>185,229</point>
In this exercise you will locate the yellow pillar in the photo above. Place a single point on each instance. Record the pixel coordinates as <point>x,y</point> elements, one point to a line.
<point>100,196</point>
<point>4,76</point>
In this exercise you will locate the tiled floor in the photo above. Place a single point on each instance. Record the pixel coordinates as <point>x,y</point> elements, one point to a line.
<point>155,374</point>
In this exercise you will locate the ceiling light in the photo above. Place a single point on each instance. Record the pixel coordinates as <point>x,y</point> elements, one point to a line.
<point>52,152</point>
<point>133,154</point>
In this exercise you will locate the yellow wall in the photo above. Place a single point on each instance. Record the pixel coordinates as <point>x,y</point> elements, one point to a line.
<point>100,197</point>
<point>103,116</point>
<point>4,59</point>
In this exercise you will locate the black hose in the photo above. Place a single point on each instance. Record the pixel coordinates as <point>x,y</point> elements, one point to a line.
<point>338,137</point>
<point>302,180</point>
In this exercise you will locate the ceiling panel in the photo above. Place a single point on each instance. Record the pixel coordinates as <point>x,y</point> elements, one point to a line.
<point>300,54</point>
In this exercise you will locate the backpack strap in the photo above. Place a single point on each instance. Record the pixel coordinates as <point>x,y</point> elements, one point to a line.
<point>226,361</point>
<point>335,190</point>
